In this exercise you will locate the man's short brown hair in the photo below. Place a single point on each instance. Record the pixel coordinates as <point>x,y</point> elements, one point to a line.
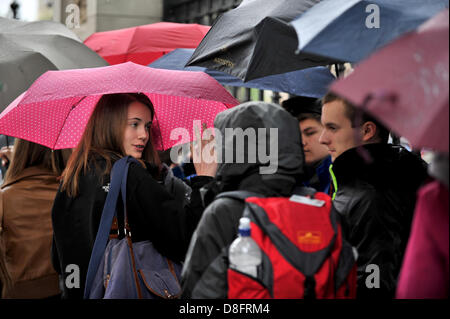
<point>351,112</point>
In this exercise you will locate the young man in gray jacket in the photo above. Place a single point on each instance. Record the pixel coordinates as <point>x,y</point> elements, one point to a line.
<point>275,175</point>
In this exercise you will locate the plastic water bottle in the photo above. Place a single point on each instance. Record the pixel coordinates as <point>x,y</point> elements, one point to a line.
<point>245,254</point>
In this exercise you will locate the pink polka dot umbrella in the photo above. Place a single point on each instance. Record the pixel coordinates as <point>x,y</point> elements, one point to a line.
<point>56,108</point>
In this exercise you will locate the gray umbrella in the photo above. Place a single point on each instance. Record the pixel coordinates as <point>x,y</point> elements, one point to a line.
<point>27,50</point>
<point>35,27</point>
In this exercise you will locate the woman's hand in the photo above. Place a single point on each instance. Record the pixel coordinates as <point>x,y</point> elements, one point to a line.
<point>204,154</point>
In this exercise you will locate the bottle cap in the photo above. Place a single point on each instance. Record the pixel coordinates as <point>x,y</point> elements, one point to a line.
<point>244,223</point>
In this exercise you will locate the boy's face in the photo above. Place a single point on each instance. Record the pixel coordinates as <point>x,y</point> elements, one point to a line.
<point>311,130</point>
<point>338,134</point>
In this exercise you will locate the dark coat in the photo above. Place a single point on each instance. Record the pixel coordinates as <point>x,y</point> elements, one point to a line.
<point>377,201</point>
<point>318,175</point>
<point>218,226</point>
<point>154,214</point>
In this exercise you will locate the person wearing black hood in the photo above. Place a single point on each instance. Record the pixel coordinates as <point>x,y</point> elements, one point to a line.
<point>308,110</point>
<point>374,189</point>
<point>218,226</point>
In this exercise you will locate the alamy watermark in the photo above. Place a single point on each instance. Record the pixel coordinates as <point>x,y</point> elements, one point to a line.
<point>73,278</point>
<point>235,145</point>
<point>73,17</point>
<point>373,19</point>
<point>373,279</point>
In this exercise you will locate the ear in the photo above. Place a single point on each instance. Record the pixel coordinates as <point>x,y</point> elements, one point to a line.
<point>368,130</point>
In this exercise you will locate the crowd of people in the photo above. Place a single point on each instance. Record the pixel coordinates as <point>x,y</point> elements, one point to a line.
<point>394,208</point>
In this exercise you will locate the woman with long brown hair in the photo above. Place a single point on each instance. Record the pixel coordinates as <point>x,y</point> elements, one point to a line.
<point>26,199</point>
<point>120,125</point>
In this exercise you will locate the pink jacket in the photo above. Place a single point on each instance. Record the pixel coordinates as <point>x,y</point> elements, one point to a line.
<point>425,270</point>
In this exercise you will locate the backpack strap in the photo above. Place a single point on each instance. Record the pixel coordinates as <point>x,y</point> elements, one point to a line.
<point>243,195</point>
<point>347,260</point>
<point>239,195</point>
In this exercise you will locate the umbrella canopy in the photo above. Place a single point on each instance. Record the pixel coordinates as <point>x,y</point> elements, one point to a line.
<point>36,27</point>
<point>56,108</point>
<point>349,30</point>
<point>255,40</point>
<point>312,82</point>
<point>145,43</point>
<point>405,85</point>
<point>30,49</point>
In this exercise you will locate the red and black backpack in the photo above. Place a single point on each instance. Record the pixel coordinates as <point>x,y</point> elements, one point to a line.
<point>304,254</point>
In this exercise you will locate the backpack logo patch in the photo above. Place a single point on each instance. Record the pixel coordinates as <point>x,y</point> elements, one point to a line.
<point>307,237</point>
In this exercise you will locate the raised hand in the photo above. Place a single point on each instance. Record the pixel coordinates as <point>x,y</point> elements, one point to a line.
<point>204,153</point>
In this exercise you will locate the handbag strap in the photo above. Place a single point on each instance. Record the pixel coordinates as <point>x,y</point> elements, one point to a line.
<point>118,174</point>
<point>134,261</point>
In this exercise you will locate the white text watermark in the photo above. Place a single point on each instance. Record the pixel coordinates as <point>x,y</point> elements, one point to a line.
<point>373,19</point>
<point>235,145</point>
<point>73,17</point>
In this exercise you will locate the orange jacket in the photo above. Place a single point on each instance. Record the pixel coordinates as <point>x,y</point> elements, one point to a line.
<point>26,234</point>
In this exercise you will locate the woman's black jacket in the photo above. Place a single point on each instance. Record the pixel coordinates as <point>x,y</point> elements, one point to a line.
<point>165,212</point>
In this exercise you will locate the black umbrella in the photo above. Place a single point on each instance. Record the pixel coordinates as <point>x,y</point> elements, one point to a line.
<point>255,40</point>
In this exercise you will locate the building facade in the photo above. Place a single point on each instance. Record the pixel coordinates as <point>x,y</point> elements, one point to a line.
<point>197,11</point>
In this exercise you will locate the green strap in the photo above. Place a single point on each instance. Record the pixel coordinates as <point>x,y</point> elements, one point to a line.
<point>333,178</point>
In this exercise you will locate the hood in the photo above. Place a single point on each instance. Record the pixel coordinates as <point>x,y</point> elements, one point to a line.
<point>258,138</point>
<point>386,165</point>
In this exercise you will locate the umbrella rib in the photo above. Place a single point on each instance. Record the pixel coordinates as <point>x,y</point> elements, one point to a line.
<point>64,123</point>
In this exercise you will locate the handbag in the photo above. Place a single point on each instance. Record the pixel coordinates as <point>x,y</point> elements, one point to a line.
<point>119,268</point>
